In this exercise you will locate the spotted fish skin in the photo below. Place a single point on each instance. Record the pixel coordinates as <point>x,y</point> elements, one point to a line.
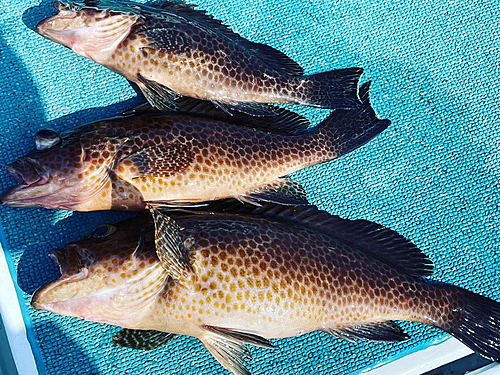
<point>177,158</point>
<point>176,50</point>
<point>265,275</point>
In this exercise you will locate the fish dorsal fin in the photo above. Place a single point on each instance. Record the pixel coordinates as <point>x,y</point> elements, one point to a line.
<point>227,346</point>
<point>142,339</point>
<point>382,243</point>
<point>170,247</point>
<point>385,331</point>
<point>271,119</point>
<point>277,59</point>
<point>272,56</point>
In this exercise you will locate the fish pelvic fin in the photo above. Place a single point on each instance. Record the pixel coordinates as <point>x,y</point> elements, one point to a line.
<point>142,339</point>
<point>385,331</point>
<point>170,247</point>
<point>227,346</point>
<point>335,89</point>
<point>347,130</point>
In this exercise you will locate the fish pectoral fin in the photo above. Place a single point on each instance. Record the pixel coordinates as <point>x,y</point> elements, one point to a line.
<point>168,39</point>
<point>281,191</point>
<point>227,346</point>
<point>170,247</point>
<point>158,161</point>
<point>142,339</point>
<point>385,331</point>
<point>159,96</point>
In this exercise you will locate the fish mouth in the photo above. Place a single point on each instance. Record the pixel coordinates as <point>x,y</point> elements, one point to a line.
<point>64,258</point>
<point>67,258</point>
<point>31,178</point>
<point>28,172</point>
<point>53,28</point>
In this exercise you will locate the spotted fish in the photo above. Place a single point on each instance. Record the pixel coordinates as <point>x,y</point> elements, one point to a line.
<point>244,275</point>
<point>181,159</point>
<point>173,49</point>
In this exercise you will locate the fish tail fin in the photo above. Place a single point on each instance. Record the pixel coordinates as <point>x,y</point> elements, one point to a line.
<point>335,89</point>
<point>347,130</point>
<point>475,321</point>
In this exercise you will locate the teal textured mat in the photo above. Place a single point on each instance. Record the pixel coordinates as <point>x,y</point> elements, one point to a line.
<point>434,175</point>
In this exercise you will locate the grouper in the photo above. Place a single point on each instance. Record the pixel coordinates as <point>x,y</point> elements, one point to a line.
<point>248,275</point>
<point>173,49</point>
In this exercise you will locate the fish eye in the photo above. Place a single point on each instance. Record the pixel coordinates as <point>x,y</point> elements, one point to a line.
<point>103,231</point>
<point>46,139</point>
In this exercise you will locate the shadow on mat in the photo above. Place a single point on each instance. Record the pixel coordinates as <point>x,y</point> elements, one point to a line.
<point>64,356</point>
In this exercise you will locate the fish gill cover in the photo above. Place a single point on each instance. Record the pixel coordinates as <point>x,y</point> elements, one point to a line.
<point>433,176</point>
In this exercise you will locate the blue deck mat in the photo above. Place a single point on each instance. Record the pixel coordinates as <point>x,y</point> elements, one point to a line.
<point>433,175</point>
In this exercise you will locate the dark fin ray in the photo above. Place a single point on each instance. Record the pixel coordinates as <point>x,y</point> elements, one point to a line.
<point>160,161</point>
<point>350,129</point>
<point>277,59</point>
<point>335,89</point>
<point>252,109</point>
<point>142,339</point>
<point>241,337</point>
<point>175,204</point>
<point>170,247</point>
<point>282,191</point>
<point>476,323</point>
<point>139,109</point>
<point>382,243</point>
<point>231,355</point>
<point>159,96</point>
<point>385,331</point>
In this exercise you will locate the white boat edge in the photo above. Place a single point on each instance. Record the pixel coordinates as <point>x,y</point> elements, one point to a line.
<point>13,322</point>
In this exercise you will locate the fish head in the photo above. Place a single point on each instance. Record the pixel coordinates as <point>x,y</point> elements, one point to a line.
<point>70,172</point>
<point>88,30</point>
<point>110,277</point>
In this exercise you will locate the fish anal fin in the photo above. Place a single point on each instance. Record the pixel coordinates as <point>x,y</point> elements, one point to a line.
<point>282,191</point>
<point>142,339</point>
<point>170,247</point>
<point>227,346</point>
<point>159,161</point>
<point>383,331</point>
<point>158,95</point>
<point>238,336</point>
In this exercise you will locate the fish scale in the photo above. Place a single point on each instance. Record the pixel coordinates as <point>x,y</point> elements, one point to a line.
<point>236,275</point>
